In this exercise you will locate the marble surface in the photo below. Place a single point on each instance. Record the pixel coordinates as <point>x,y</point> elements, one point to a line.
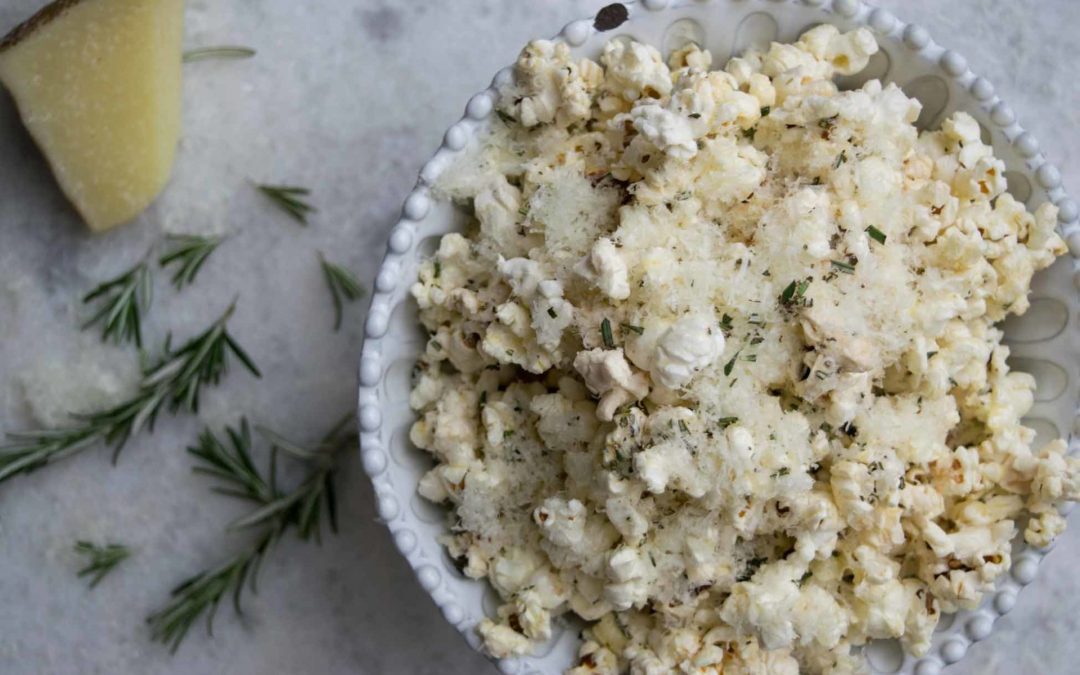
<point>349,98</point>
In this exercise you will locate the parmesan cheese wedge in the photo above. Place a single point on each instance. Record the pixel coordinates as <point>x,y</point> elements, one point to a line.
<point>97,84</point>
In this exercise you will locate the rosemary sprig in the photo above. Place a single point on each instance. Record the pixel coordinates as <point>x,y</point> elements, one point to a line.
<point>343,286</point>
<point>173,384</point>
<point>100,559</point>
<point>218,52</point>
<point>123,299</point>
<point>190,251</point>
<point>203,592</point>
<point>277,512</point>
<point>290,199</point>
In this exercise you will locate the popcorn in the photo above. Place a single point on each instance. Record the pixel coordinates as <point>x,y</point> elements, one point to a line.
<point>607,374</point>
<point>716,367</point>
<point>626,517</point>
<point>1046,524</point>
<point>634,70</point>
<point>593,659</point>
<point>764,606</point>
<point>502,641</point>
<point>562,522</point>
<point>606,269</point>
<point>498,209</point>
<point>629,575</point>
<point>847,53</point>
<point>550,86</point>
<point>690,345</point>
<point>668,131</point>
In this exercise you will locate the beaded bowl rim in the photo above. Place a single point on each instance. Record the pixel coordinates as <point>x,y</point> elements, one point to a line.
<point>950,644</point>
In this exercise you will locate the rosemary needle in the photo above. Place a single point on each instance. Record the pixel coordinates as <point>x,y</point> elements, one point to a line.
<point>277,511</point>
<point>605,333</point>
<point>190,252</point>
<point>100,559</point>
<point>124,300</point>
<point>218,52</point>
<point>876,234</point>
<point>841,266</point>
<point>343,286</point>
<point>290,199</point>
<point>173,383</point>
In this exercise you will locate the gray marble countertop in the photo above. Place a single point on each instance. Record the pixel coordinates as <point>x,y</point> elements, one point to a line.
<point>350,98</point>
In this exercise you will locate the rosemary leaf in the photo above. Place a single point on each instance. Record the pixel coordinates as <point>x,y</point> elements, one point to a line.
<point>173,384</point>
<point>726,324</point>
<point>343,286</point>
<point>606,335</point>
<point>100,559</point>
<point>730,365</point>
<point>841,266</point>
<point>290,199</point>
<point>190,252</point>
<point>788,293</point>
<point>794,294</point>
<point>218,52</point>
<point>725,422</point>
<point>124,300</point>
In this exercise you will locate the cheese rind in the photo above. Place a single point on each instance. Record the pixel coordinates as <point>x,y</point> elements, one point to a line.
<point>97,84</point>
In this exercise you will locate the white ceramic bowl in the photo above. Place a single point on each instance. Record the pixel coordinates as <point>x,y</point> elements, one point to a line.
<point>1045,342</point>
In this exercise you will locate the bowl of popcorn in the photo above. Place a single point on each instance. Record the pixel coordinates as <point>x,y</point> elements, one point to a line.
<point>728,337</point>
